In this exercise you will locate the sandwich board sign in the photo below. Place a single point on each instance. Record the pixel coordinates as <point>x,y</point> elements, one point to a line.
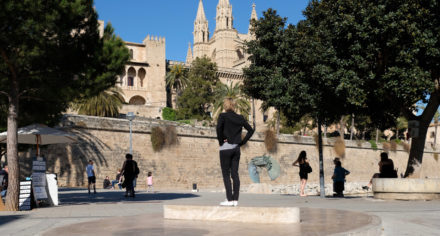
<point>39,178</point>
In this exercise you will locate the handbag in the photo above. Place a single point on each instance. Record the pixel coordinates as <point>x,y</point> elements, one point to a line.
<point>309,168</point>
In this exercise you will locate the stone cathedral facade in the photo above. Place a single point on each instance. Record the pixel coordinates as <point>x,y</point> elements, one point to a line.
<point>226,46</point>
<point>143,80</point>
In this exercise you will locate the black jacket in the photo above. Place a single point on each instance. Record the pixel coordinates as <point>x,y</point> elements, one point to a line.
<point>229,127</point>
<point>130,169</point>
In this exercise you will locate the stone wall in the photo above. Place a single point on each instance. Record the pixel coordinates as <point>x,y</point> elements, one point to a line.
<point>195,158</point>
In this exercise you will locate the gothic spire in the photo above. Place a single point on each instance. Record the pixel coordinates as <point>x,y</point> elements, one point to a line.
<point>189,56</point>
<point>201,30</point>
<point>201,13</point>
<point>224,19</point>
<point>253,16</point>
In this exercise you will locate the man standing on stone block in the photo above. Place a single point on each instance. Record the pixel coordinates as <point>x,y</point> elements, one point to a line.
<point>229,128</point>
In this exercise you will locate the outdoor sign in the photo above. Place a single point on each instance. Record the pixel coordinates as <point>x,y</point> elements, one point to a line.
<point>25,195</point>
<point>39,178</point>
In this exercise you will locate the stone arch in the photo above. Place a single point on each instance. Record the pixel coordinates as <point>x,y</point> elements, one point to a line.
<point>141,75</point>
<point>131,74</point>
<point>137,100</point>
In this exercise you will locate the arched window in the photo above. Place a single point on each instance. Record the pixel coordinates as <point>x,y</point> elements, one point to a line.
<point>137,100</point>
<point>130,76</point>
<point>141,75</point>
<point>130,81</point>
<point>227,22</point>
<point>131,54</point>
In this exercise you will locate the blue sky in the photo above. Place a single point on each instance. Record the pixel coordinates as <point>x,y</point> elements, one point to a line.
<point>133,20</point>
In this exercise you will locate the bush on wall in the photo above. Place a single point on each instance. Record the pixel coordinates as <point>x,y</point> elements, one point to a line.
<point>157,138</point>
<point>170,135</point>
<point>270,140</point>
<point>168,114</point>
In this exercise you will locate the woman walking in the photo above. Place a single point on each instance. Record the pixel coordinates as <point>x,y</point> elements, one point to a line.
<point>229,128</point>
<point>304,170</point>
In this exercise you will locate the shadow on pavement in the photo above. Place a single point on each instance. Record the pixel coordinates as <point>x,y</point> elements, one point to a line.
<point>82,198</point>
<point>4,219</point>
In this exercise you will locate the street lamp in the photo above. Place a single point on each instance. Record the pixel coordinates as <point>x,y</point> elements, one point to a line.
<point>130,116</point>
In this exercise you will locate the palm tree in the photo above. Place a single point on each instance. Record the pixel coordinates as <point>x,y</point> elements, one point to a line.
<point>106,104</point>
<point>233,91</point>
<point>177,79</point>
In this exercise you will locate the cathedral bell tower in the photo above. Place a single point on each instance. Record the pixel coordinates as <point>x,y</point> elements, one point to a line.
<point>224,19</point>
<point>201,32</point>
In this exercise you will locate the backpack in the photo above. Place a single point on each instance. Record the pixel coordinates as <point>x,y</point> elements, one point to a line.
<point>136,169</point>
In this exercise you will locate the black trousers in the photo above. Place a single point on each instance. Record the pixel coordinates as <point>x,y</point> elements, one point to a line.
<point>229,161</point>
<point>129,188</point>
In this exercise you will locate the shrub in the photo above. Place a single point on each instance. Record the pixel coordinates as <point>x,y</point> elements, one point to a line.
<point>393,145</point>
<point>373,144</point>
<point>339,147</point>
<point>386,146</point>
<point>157,138</point>
<point>168,114</point>
<point>170,135</point>
<point>270,140</point>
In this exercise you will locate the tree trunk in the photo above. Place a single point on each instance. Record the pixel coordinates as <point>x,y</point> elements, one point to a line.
<point>342,128</point>
<point>321,161</point>
<point>12,153</point>
<point>254,123</point>
<point>352,127</point>
<point>278,123</point>
<point>416,153</point>
<point>377,135</point>
<point>418,143</point>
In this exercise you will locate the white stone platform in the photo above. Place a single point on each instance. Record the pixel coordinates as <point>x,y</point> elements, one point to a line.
<point>265,215</point>
<point>406,189</point>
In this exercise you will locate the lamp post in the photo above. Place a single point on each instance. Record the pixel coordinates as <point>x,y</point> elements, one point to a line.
<point>130,116</point>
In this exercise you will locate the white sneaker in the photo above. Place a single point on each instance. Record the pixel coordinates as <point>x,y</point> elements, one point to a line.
<point>226,203</point>
<point>235,203</point>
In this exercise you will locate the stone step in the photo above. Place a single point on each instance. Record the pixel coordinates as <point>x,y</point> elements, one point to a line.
<point>265,215</point>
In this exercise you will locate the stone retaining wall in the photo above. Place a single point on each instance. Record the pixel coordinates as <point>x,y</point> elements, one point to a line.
<point>195,158</point>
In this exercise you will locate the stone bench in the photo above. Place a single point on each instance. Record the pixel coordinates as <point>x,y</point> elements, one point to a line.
<point>406,189</point>
<point>265,215</point>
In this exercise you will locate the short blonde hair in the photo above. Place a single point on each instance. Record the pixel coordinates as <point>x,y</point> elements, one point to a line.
<point>228,104</point>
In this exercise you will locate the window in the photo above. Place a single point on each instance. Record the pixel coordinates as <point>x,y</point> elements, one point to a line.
<point>130,81</point>
<point>131,53</point>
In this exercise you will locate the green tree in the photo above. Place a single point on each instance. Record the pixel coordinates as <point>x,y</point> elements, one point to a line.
<point>51,53</point>
<point>177,78</point>
<point>197,98</point>
<point>233,91</point>
<point>388,59</point>
<point>291,70</point>
<point>106,104</point>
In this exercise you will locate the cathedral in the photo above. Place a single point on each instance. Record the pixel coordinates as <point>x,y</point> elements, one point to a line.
<point>226,46</point>
<point>143,80</point>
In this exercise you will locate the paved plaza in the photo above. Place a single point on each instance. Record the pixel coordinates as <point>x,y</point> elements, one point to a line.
<point>109,213</point>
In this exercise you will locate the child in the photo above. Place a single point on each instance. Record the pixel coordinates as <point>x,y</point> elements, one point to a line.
<point>150,182</point>
<point>339,178</point>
